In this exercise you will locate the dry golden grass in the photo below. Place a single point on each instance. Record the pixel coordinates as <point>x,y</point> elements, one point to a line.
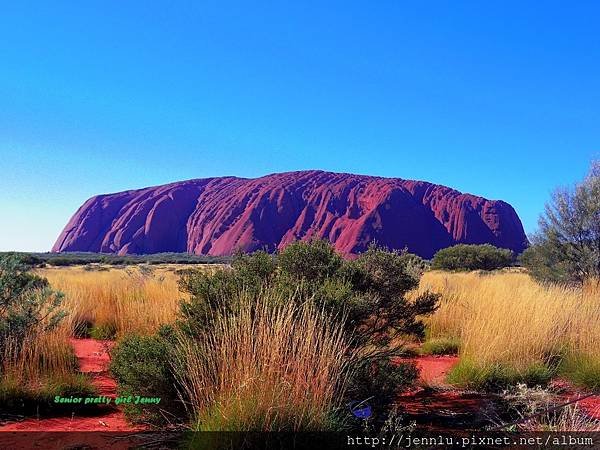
<point>38,368</point>
<point>508,319</point>
<point>40,355</point>
<point>264,368</point>
<point>117,300</point>
<point>114,301</point>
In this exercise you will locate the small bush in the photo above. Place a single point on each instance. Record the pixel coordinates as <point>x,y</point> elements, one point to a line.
<point>441,346</point>
<point>142,366</point>
<point>254,269</point>
<point>36,360</point>
<point>546,263</point>
<point>472,257</point>
<point>582,370</point>
<point>27,303</point>
<point>104,331</point>
<point>367,297</point>
<point>371,292</point>
<point>497,376</point>
<point>315,260</point>
<point>207,292</point>
<point>376,383</point>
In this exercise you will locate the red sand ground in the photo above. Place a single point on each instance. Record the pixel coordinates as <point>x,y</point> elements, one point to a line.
<point>453,402</point>
<point>94,360</point>
<point>435,368</point>
<point>436,408</point>
<point>589,405</point>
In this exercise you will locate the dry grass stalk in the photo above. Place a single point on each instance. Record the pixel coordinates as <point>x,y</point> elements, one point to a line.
<point>269,366</point>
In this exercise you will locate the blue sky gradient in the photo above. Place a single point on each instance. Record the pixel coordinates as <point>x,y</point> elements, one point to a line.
<point>500,100</point>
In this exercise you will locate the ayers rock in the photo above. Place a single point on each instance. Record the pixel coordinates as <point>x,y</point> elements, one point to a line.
<point>217,216</point>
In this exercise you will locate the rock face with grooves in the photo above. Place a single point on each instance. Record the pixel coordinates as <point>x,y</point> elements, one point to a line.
<point>217,216</point>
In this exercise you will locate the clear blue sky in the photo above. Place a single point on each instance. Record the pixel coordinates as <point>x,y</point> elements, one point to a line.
<point>496,99</point>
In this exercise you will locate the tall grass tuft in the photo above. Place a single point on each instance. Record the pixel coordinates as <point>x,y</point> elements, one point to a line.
<point>270,365</point>
<point>512,328</point>
<point>40,367</point>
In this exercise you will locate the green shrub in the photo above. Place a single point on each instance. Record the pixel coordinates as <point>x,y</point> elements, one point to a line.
<point>377,383</point>
<point>28,259</point>
<point>27,303</point>
<point>582,370</point>
<point>207,293</point>
<point>103,332</point>
<point>472,257</point>
<point>546,262</point>
<point>314,260</point>
<point>141,366</point>
<point>254,269</point>
<point>29,308</point>
<point>382,279</point>
<point>441,346</point>
<point>19,398</point>
<point>370,293</point>
<point>367,295</point>
<point>496,377</point>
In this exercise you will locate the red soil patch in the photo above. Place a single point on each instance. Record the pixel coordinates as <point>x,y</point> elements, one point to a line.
<point>93,355</point>
<point>433,369</point>
<point>589,405</point>
<point>444,407</point>
<point>93,359</point>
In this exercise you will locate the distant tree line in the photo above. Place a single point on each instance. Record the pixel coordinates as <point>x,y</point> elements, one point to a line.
<point>565,249</point>
<point>82,258</point>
